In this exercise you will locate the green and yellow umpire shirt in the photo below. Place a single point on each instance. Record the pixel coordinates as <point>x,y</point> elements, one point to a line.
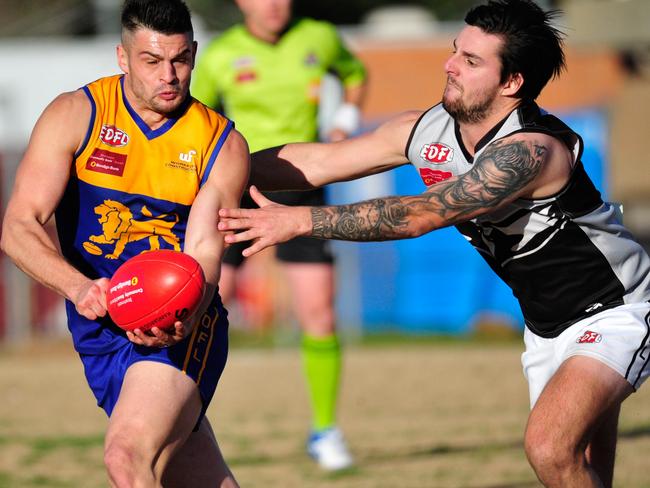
<point>271,91</point>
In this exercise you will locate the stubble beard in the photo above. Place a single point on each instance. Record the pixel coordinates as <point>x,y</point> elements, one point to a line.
<point>468,114</point>
<point>162,108</point>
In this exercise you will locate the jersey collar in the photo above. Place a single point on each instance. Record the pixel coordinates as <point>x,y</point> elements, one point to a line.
<point>146,130</point>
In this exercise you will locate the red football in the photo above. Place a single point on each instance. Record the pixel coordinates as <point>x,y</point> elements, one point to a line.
<point>155,289</point>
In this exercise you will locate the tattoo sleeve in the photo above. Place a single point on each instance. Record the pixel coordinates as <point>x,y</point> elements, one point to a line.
<point>504,168</point>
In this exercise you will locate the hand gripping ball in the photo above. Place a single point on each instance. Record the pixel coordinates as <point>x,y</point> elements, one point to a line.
<point>155,289</point>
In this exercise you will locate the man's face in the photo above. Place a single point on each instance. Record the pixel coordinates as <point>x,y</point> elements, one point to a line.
<point>268,16</point>
<point>158,68</point>
<point>473,75</point>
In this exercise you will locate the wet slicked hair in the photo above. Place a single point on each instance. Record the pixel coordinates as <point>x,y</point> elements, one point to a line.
<point>164,16</point>
<point>531,45</point>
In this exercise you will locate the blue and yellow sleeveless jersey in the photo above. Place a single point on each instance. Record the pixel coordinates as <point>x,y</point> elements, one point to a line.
<point>130,191</point>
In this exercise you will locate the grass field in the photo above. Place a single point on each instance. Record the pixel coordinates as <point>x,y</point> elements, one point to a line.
<point>430,414</point>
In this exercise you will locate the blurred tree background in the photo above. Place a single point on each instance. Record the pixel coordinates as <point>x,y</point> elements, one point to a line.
<point>219,14</point>
<point>29,18</point>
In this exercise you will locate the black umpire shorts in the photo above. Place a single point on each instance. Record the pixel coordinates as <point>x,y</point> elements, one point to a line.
<point>298,250</point>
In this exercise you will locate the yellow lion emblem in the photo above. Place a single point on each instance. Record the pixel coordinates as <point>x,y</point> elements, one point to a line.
<point>119,227</point>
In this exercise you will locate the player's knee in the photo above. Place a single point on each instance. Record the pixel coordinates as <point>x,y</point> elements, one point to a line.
<point>316,317</point>
<point>125,463</point>
<point>118,462</point>
<point>319,324</point>
<point>552,457</point>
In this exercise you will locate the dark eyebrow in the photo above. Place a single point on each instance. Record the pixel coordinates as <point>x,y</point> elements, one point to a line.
<point>467,53</point>
<point>157,56</point>
<point>148,53</point>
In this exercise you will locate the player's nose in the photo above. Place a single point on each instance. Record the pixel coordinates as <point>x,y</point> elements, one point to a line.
<point>168,73</point>
<point>450,65</point>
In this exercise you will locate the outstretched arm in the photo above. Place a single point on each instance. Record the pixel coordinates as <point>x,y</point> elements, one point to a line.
<point>506,170</point>
<point>498,177</point>
<point>304,166</point>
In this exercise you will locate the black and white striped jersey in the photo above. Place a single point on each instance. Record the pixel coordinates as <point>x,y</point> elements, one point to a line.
<point>566,256</point>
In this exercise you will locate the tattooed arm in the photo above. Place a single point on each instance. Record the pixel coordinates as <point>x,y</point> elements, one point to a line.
<point>507,169</point>
<point>498,176</point>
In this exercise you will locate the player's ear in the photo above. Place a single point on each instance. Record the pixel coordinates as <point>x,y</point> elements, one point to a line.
<point>122,58</point>
<point>512,85</point>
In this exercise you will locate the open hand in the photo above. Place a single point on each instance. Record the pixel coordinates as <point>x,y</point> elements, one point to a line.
<point>266,226</point>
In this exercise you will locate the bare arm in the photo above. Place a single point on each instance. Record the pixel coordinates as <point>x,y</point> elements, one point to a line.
<point>502,172</point>
<point>506,170</point>
<point>203,241</point>
<point>40,182</point>
<point>223,189</point>
<point>304,166</point>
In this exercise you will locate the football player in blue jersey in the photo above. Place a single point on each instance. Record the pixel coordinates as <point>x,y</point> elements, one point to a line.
<point>131,163</point>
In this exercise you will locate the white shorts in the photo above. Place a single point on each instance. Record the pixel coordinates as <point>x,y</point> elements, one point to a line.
<point>618,337</point>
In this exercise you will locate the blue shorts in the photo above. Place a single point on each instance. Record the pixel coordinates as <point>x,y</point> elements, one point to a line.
<point>201,356</point>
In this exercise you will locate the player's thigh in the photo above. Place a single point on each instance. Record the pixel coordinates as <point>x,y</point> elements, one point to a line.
<point>308,267</point>
<point>618,337</point>
<point>311,282</point>
<point>312,292</point>
<point>156,411</point>
<point>575,400</point>
<point>198,463</point>
<point>539,362</point>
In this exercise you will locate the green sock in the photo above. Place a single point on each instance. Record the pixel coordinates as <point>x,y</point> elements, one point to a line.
<point>321,358</point>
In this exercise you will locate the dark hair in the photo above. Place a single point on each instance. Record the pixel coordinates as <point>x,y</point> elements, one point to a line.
<point>531,45</point>
<point>164,16</point>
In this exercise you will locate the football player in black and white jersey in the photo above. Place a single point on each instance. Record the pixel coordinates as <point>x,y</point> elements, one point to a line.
<point>508,175</point>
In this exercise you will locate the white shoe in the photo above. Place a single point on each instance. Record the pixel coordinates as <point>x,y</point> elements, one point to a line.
<point>327,447</point>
